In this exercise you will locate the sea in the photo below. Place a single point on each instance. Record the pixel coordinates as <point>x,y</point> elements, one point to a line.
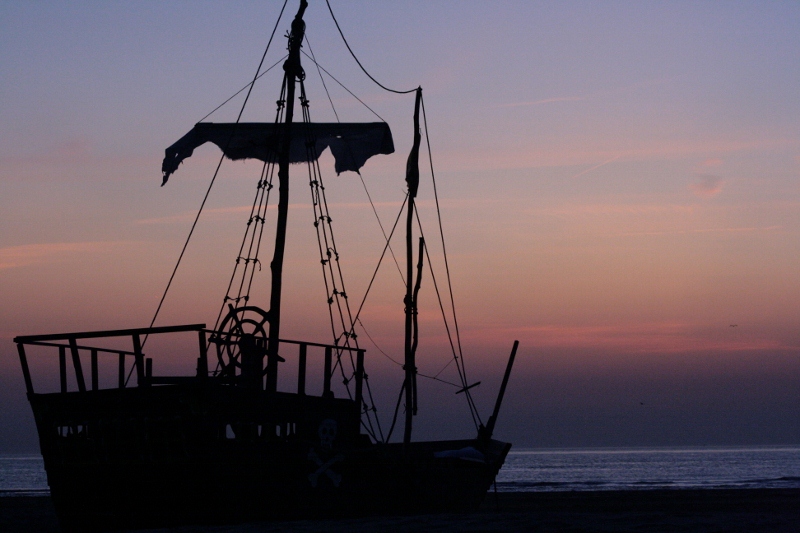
<point>569,469</point>
<point>650,468</point>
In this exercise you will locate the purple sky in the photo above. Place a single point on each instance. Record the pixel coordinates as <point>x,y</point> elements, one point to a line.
<point>619,185</point>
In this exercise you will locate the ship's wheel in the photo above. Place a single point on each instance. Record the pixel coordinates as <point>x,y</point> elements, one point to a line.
<point>241,328</point>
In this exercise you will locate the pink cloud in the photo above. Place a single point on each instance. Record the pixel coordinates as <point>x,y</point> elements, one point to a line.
<point>646,338</point>
<point>29,254</point>
<point>710,163</point>
<point>76,150</point>
<point>528,155</point>
<point>706,185</point>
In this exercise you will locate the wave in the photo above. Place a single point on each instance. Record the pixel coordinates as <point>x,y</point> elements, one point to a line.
<point>783,482</point>
<point>16,493</point>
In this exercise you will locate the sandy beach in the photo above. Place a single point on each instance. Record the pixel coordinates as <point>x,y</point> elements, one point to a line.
<point>689,511</point>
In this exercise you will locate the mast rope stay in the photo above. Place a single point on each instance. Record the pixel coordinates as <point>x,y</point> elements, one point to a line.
<point>464,387</point>
<point>343,86</point>
<point>461,369</point>
<point>360,176</point>
<point>336,293</point>
<point>237,93</point>
<point>458,356</point>
<point>324,85</point>
<point>216,173</point>
<point>398,363</point>
<point>379,84</point>
<point>256,221</point>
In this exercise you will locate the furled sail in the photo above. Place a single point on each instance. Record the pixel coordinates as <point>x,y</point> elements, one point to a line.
<point>351,143</point>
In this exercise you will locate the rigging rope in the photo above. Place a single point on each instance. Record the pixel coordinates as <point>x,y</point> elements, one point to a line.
<point>396,411</point>
<point>258,213</point>
<point>237,93</point>
<point>363,183</point>
<point>313,59</point>
<point>216,172</point>
<point>398,363</point>
<point>333,277</point>
<point>343,86</point>
<point>462,369</point>
<point>462,376</point>
<point>380,260</point>
<point>379,84</point>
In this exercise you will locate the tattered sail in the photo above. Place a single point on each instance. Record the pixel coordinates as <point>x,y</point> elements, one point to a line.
<point>351,143</point>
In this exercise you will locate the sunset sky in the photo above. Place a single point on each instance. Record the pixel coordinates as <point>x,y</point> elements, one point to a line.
<point>618,183</point>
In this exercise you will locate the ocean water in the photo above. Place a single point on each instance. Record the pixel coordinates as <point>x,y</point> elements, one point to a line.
<point>648,468</point>
<point>22,475</point>
<point>568,470</point>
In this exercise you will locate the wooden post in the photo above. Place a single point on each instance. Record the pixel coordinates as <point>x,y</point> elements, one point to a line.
<point>76,362</point>
<point>95,384</point>
<point>26,373</point>
<point>139,356</point>
<point>493,419</point>
<point>121,370</point>
<point>326,389</point>
<point>301,370</point>
<point>202,361</point>
<point>359,378</point>
<point>62,367</point>
<point>148,369</point>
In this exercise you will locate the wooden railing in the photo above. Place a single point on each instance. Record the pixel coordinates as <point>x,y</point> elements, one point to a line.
<point>144,365</point>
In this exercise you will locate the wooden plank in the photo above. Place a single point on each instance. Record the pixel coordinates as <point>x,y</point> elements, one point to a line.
<point>359,378</point>
<point>121,370</point>
<point>80,347</point>
<point>320,345</point>
<point>95,384</point>
<point>326,390</point>
<point>62,367</point>
<point>139,356</point>
<point>76,363</point>
<point>109,333</point>
<point>301,371</point>
<point>171,380</point>
<point>26,373</point>
<point>202,361</point>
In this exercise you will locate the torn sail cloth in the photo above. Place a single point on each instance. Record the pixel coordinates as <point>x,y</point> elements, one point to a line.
<point>351,143</point>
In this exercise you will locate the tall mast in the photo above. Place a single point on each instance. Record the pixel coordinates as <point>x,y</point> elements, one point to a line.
<point>410,364</point>
<point>293,71</point>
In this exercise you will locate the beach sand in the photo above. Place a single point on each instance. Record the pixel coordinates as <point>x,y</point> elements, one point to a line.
<point>686,511</point>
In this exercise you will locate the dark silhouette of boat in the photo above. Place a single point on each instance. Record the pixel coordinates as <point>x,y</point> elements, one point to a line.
<point>224,444</point>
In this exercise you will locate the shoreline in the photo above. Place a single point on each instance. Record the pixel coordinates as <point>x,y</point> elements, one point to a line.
<point>684,510</point>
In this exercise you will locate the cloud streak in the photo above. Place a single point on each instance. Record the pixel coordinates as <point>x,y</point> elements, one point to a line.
<point>220,213</point>
<point>707,230</point>
<point>545,101</point>
<point>604,163</point>
<point>644,338</point>
<point>29,254</point>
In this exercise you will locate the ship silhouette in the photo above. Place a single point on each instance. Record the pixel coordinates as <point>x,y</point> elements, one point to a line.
<point>224,444</point>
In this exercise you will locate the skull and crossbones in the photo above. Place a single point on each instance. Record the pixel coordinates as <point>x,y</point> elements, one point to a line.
<point>327,433</point>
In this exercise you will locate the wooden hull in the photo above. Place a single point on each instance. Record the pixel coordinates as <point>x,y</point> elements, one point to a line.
<point>188,454</point>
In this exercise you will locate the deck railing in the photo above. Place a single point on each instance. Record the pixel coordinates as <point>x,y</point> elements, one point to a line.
<point>68,342</point>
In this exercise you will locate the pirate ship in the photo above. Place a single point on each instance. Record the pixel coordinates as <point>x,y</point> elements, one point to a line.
<point>225,444</point>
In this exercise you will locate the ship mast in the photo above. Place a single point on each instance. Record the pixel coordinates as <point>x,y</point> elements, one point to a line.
<point>412,288</point>
<point>293,71</point>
